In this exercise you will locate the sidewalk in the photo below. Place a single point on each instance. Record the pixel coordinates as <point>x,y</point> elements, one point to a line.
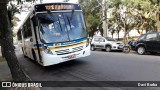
<point>5,75</point>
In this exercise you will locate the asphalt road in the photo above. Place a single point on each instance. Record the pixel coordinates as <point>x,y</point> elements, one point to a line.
<point>100,66</point>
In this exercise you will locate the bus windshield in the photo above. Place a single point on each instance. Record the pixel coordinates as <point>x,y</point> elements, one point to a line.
<point>61,26</point>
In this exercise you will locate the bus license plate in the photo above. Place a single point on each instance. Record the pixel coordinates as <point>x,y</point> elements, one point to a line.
<point>71,56</point>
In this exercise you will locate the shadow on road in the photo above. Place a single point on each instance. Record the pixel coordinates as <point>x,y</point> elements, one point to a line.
<point>131,52</point>
<point>102,50</point>
<point>56,67</point>
<point>66,65</point>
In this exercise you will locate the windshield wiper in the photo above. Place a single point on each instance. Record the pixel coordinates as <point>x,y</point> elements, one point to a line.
<point>66,27</point>
<point>53,19</point>
<point>69,20</point>
<point>69,23</point>
<point>59,23</point>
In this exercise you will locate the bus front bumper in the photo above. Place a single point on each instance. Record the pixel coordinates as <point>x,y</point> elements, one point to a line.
<point>56,59</point>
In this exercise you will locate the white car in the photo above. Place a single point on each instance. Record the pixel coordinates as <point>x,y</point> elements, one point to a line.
<point>107,43</point>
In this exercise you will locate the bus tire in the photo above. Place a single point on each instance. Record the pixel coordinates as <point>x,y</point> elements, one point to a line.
<point>34,56</point>
<point>23,52</point>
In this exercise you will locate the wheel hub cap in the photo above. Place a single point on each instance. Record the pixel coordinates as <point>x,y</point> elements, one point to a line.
<point>140,50</point>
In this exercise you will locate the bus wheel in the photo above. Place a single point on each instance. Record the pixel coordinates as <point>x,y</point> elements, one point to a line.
<point>23,52</point>
<point>34,55</point>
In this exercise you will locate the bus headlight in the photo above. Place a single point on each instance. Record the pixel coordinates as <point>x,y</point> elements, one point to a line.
<point>87,42</point>
<point>47,50</point>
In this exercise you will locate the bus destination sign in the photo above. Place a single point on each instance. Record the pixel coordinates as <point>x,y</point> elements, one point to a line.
<point>56,7</point>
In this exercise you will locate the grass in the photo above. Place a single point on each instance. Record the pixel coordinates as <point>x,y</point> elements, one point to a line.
<point>2,59</point>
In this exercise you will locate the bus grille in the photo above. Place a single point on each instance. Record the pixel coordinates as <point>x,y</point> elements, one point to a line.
<point>67,51</point>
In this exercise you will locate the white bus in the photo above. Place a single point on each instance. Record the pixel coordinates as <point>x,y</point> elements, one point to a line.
<point>53,33</point>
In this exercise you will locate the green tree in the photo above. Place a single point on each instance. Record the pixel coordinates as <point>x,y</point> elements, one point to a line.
<point>115,23</point>
<point>92,12</point>
<point>157,13</point>
<point>134,14</point>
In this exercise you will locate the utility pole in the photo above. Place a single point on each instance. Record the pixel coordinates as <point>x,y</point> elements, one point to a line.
<point>105,20</point>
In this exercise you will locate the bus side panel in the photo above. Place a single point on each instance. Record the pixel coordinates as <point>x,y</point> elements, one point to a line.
<point>36,41</point>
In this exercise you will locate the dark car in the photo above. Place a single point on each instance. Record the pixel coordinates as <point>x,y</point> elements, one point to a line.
<point>149,42</point>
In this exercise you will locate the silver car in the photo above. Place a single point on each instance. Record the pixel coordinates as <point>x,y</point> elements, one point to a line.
<point>107,43</point>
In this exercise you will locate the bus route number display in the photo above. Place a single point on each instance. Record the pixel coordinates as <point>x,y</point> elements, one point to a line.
<point>56,7</point>
<point>59,7</point>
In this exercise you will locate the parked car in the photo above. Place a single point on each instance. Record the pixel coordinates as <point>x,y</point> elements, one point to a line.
<point>149,42</point>
<point>107,43</point>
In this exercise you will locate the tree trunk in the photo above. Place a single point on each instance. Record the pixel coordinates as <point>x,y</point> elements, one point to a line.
<point>158,22</point>
<point>17,73</point>
<point>124,38</point>
<point>118,35</point>
<point>125,31</point>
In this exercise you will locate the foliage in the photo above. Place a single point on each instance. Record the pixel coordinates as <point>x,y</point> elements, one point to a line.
<point>115,23</point>
<point>133,14</point>
<point>93,15</point>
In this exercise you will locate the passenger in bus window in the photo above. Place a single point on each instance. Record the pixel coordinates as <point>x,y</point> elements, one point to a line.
<point>55,31</point>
